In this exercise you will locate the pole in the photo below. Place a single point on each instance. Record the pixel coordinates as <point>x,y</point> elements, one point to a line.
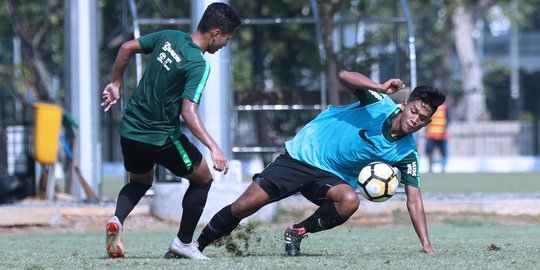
<point>216,103</point>
<point>82,84</point>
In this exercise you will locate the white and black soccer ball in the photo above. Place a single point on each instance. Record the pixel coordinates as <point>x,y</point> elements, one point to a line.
<point>378,182</point>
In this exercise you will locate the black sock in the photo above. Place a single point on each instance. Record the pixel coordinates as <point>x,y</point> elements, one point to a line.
<point>193,206</point>
<point>223,223</point>
<point>128,197</point>
<point>326,217</point>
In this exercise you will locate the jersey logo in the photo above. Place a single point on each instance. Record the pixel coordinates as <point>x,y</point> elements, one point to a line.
<point>362,134</point>
<point>164,59</point>
<point>412,169</point>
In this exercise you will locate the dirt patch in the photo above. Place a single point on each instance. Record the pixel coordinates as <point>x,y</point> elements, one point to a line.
<point>86,218</point>
<point>152,223</point>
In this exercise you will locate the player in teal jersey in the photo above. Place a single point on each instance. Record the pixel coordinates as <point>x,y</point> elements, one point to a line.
<point>323,161</point>
<point>150,132</point>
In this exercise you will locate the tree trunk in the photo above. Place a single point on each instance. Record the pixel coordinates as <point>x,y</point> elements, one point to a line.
<point>328,9</point>
<point>473,105</point>
<point>31,38</point>
<point>330,67</point>
<point>257,81</point>
<point>46,91</point>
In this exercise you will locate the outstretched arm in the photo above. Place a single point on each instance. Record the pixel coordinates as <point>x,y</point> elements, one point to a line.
<point>356,80</point>
<point>418,217</point>
<point>191,115</point>
<point>111,93</point>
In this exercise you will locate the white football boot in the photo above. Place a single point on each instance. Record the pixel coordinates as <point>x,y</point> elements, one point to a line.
<point>189,251</point>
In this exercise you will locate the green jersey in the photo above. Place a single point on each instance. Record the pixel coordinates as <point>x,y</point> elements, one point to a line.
<point>175,71</point>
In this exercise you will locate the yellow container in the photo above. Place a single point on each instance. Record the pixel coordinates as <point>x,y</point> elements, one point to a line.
<point>48,118</point>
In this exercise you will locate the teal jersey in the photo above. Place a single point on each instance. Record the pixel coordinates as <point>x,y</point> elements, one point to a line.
<point>176,70</point>
<point>342,140</point>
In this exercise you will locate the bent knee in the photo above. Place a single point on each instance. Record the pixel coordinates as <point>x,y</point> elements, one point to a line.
<point>348,204</point>
<point>350,198</point>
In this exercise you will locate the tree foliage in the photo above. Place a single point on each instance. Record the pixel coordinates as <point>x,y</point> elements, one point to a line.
<point>39,26</point>
<point>266,57</point>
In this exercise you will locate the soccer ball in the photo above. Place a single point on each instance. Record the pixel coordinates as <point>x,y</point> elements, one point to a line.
<point>378,181</point>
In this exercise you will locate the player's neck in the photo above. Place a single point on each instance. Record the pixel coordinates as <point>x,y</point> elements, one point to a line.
<point>200,40</point>
<point>396,131</point>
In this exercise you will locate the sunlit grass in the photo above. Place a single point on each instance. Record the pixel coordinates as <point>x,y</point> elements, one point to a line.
<point>465,246</point>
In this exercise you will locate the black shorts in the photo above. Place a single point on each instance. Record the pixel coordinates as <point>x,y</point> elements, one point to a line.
<point>178,156</point>
<point>286,176</point>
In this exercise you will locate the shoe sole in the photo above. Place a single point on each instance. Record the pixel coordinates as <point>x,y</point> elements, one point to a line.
<point>289,245</point>
<point>292,254</point>
<point>173,255</point>
<point>114,246</point>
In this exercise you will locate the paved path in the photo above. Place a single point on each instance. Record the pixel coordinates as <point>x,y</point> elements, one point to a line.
<point>44,213</point>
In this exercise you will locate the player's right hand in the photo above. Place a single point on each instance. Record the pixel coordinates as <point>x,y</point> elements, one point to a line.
<point>428,250</point>
<point>220,160</point>
<point>391,86</point>
<point>110,95</point>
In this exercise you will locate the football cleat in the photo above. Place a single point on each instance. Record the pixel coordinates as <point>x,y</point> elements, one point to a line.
<point>178,249</point>
<point>293,237</point>
<point>113,238</point>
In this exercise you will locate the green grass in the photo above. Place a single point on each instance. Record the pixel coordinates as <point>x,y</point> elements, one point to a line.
<point>468,246</point>
<point>431,182</point>
<point>481,182</point>
<point>111,186</point>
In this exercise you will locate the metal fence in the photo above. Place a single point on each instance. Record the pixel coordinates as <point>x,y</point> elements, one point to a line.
<point>492,139</point>
<point>17,166</point>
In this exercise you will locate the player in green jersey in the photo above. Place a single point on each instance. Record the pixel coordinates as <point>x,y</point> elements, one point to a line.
<point>150,132</point>
<point>323,160</point>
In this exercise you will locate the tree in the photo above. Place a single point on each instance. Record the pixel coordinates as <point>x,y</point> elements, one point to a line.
<point>271,63</point>
<point>466,15</point>
<point>30,24</point>
<point>464,19</point>
<point>33,23</point>
<point>328,10</point>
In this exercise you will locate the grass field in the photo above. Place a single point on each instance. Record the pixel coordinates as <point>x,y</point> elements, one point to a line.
<point>431,182</point>
<point>461,242</point>
<point>478,246</point>
<point>481,182</point>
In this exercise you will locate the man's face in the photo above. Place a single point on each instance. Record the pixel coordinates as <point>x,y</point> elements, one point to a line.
<point>415,116</point>
<point>218,41</point>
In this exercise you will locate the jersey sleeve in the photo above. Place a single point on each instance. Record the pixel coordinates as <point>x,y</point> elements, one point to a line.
<point>148,42</point>
<point>409,169</point>
<point>367,97</point>
<point>196,78</point>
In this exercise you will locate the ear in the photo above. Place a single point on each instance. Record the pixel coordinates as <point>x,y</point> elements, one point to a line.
<point>215,32</point>
<point>402,105</point>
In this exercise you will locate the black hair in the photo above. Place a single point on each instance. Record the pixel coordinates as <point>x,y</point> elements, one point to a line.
<point>221,16</point>
<point>428,95</point>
